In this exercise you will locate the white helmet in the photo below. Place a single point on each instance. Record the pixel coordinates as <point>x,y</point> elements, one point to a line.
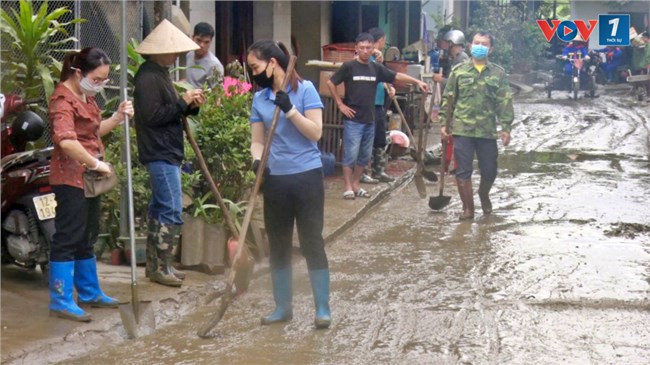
<point>455,37</point>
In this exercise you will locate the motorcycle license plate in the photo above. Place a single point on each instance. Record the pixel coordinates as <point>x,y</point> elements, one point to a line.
<point>45,206</point>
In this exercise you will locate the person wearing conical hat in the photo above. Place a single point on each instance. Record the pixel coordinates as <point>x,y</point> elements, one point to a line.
<point>159,126</point>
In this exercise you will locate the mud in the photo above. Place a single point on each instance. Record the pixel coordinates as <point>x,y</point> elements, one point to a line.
<point>558,274</point>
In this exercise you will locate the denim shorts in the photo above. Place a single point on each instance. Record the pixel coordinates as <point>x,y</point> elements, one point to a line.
<point>166,204</point>
<point>357,143</point>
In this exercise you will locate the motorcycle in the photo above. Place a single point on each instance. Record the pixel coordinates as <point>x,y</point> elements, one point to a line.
<point>579,79</point>
<point>28,203</point>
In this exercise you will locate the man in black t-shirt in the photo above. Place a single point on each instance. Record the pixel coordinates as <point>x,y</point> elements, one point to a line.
<point>360,77</point>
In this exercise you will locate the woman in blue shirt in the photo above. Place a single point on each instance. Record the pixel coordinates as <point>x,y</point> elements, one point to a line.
<point>293,185</point>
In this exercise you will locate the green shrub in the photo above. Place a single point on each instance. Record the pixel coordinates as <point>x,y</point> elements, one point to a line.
<point>222,131</point>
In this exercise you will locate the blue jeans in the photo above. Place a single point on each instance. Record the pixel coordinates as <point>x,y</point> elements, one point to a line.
<point>166,204</point>
<point>357,143</point>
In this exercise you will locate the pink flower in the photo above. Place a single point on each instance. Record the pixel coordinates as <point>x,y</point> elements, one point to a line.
<point>233,86</point>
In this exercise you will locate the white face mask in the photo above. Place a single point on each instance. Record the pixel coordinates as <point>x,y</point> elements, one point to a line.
<point>89,88</point>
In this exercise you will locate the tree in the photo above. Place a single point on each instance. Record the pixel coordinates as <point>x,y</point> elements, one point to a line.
<point>518,40</point>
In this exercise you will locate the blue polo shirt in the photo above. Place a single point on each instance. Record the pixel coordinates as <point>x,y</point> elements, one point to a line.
<point>291,152</point>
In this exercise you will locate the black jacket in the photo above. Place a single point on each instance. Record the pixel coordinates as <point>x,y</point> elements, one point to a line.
<point>158,115</point>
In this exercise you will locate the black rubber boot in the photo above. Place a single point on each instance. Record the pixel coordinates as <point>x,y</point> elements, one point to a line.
<point>484,195</point>
<point>467,197</point>
<point>379,166</point>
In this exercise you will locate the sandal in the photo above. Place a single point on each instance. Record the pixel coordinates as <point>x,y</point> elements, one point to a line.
<point>361,193</point>
<point>348,195</point>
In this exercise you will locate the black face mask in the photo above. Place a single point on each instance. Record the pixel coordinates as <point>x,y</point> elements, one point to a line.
<point>262,80</point>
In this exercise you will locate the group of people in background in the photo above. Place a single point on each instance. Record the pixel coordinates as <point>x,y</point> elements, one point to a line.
<point>293,184</point>
<point>294,191</point>
<point>615,62</point>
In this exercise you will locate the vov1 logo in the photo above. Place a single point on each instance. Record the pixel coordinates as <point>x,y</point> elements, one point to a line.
<point>613,29</point>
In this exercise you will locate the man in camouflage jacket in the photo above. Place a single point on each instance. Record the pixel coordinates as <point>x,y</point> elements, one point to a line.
<point>481,100</point>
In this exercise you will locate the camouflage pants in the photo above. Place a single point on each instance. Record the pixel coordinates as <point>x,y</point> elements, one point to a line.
<point>162,239</point>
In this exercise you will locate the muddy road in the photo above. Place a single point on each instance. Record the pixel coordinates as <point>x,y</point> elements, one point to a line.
<point>559,274</point>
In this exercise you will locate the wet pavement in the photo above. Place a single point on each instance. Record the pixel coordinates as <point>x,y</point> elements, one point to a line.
<point>558,274</point>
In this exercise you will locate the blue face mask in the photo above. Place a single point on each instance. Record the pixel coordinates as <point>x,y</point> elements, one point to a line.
<point>479,51</point>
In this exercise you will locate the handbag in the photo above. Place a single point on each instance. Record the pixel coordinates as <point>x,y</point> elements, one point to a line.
<point>96,184</point>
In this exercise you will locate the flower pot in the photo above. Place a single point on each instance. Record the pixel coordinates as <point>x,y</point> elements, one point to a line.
<point>140,250</point>
<point>203,246</point>
<point>117,256</point>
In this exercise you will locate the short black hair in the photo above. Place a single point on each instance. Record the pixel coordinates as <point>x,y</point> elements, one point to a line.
<point>203,29</point>
<point>484,34</point>
<point>377,33</point>
<point>364,37</point>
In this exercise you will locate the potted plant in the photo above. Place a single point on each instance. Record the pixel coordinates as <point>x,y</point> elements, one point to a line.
<point>222,131</point>
<point>31,41</point>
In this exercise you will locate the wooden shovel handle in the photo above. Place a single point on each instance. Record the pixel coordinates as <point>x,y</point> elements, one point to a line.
<point>443,162</point>
<point>406,124</point>
<point>208,176</point>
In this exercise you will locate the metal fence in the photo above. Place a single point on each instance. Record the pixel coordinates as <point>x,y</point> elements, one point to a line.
<point>102,29</point>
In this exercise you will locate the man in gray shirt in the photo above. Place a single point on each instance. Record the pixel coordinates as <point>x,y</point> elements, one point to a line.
<point>211,69</point>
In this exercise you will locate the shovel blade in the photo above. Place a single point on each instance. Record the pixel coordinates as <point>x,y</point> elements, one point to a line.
<point>439,202</point>
<point>430,175</point>
<point>243,266</point>
<point>138,324</point>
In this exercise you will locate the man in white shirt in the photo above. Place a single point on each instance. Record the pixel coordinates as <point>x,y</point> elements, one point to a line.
<point>211,69</point>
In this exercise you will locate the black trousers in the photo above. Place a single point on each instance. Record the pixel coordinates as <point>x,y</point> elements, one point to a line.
<point>76,224</point>
<point>298,198</point>
<point>486,152</point>
<point>380,127</point>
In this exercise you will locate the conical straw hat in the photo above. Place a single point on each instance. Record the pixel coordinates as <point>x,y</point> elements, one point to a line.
<point>166,38</point>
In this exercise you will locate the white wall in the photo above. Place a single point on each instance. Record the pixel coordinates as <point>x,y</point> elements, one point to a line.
<point>586,10</point>
<point>272,20</point>
<point>203,11</point>
<point>437,9</point>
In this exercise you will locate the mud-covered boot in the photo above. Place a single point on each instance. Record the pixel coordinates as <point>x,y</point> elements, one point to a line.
<point>61,283</point>
<point>282,295</point>
<point>484,196</point>
<point>467,197</point>
<point>153,237</point>
<point>165,255</point>
<point>176,239</point>
<point>379,166</point>
<point>87,284</point>
<point>320,284</point>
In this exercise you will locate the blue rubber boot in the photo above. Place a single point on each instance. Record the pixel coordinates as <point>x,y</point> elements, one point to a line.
<point>61,302</point>
<point>282,294</point>
<point>320,284</point>
<point>87,284</point>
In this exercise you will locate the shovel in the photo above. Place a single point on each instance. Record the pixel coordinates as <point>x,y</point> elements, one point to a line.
<point>426,174</point>
<point>226,298</point>
<point>242,278</point>
<point>419,180</point>
<point>137,317</point>
<point>441,201</point>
